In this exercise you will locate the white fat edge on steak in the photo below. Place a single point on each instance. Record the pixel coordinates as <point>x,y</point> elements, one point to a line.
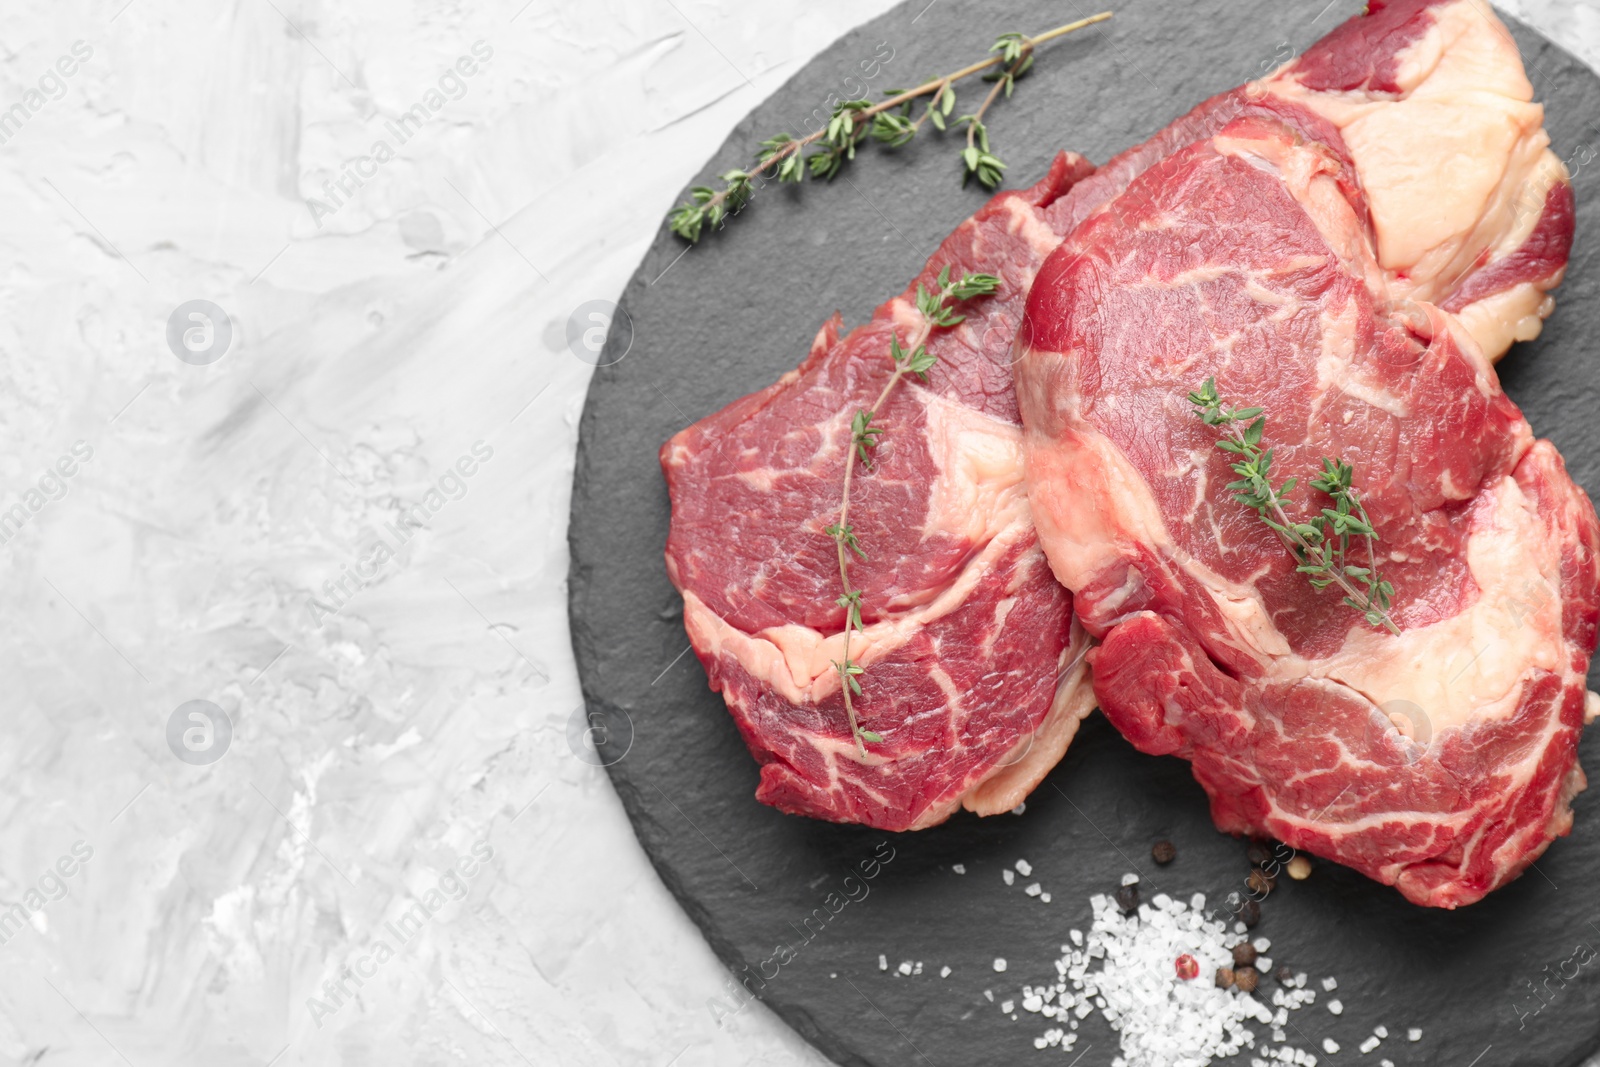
<point>1458,165</point>
<point>1033,756</point>
<point>1471,666</point>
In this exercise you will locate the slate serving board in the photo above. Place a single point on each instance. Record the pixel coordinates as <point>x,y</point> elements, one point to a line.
<point>731,315</point>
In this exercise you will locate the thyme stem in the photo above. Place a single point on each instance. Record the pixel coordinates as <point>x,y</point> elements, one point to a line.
<point>913,359</point>
<point>852,613</point>
<point>977,116</point>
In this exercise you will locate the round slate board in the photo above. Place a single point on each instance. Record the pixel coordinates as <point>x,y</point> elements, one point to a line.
<point>728,317</point>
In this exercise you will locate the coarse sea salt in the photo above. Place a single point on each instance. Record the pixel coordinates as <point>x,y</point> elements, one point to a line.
<point>1124,966</point>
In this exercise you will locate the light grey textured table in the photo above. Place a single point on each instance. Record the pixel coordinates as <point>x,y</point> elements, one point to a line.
<point>399,346</point>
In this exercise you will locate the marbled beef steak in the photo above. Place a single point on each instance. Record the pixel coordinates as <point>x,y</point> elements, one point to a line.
<point>1350,245</point>
<point>975,680</point>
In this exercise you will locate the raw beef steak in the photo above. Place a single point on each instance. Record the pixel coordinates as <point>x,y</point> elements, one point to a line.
<point>974,671</point>
<point>1349,249</point>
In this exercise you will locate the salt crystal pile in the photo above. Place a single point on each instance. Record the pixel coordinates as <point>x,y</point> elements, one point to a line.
<point>1125,969</point>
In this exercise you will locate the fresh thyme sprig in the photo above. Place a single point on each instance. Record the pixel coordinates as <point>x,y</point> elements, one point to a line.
<point>933,307</point>
<point>1321,545</point>
<point>888,122</point>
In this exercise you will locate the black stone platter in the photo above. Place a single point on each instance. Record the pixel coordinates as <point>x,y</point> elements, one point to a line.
<point>728,317</point>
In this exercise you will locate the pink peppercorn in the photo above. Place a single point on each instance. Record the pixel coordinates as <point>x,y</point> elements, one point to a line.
<point>1188,967</point>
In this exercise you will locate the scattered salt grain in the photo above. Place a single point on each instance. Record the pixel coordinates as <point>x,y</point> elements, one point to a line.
<point>918,968</point>
<point>1044,898</point>
<point>944,972</point>
<point>1368,1045</point>
<point>1024,868</point>
<point>1385,1063</point>
<point>1413,1034</point>
<point>1034,890</point>
<point>989,995</point>
<point>904,968</point>
<point>1198,902</point>
<point>883,963</point>
<point>1020,808</point>
<point>1330,1046</point>
<point>999,963</point>
<point>1130,879</point>
<point>1336,1006</point>
<point>1330,984</point>
<point>1380,1032</point>
<point>959,868</point>
<point>1009,876</point>
<point>1261,944</point>
<point>1008,1006</point>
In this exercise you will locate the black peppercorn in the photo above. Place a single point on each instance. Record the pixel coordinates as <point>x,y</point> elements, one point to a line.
<point>1258,853</point>
<point>1284,975</point>
<point>1224,977</point>
<point>1246,978</point>
<point>1163,852</point>
<point>1128,897</point>
<point>1244,953</point>
<point>1250,913</point>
